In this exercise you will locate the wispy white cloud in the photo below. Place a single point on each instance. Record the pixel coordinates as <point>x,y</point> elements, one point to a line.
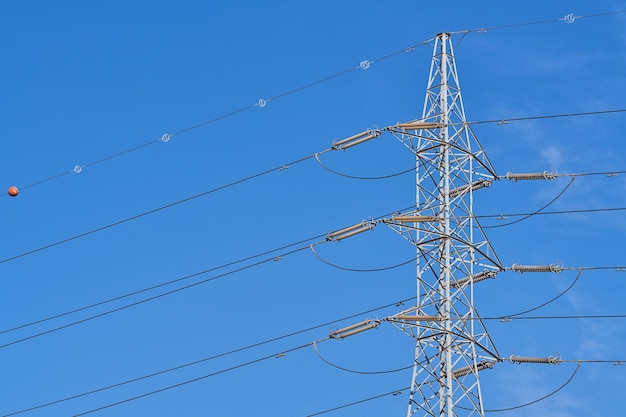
<point>553,155</point>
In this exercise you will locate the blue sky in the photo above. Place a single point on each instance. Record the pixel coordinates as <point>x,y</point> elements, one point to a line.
<point>84,81</point>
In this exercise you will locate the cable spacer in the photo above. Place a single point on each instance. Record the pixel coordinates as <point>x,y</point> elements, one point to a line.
<point>570,18</point>
<point>165,138</point>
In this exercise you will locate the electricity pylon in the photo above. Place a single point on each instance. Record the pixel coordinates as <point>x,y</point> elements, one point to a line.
<point>453,254</point>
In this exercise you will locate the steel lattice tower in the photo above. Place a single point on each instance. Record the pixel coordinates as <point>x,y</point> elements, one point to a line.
<point>453,254</point>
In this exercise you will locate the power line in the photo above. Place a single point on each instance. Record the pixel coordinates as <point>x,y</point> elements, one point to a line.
<point>399,391</point>
<point>585,174</point>
<point>189,381</point>
<point>303,331</point>
<point>229,273</point>
<point>516,407</point>
<point>274,339</point>
<point>574,317</point>
<point>145,300</point>
<point>158,209</point>
<point>363,65</point>
<point>163,294</point>
<point>569,18</point>
<point>380,177</point>
<point>580,271</point>
<point>222,187</point>
<point>542,117</point>
<point>183,278</point>
<point>394,392</point>
<point>283,352</point>
<point>386,371</point>
<point>548,204</point>
<point>550,213</point>
<point>386,268</point>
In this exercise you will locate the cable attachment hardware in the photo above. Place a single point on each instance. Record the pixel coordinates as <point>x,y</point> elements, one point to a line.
<point>570,18</point>
<point>457,373</point>
<point>415,318</point>
<point>551,360</point>
<point>557,269</point>
<point>477,185</point>
<point>481,276</point>
<point>365,64</point>
<point>356,139</point>
<point>165,138</point>
<point>262,102</point>
<point>413,219</point>
<point>545,175</point>
<point>77,169</point>
<point>417,125</point>
<point>350,231</point>
<point>354,329</point>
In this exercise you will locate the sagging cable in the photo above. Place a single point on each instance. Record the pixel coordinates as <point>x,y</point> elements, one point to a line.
<point>387,371</point>
<point>350,231</point>
<point>557,269</point>
<point>354,329</point>
<point>506,319</point>
<point>380,177</point>
<point>537,211</point>
<point>545,175</point>
<point>343,268</point>
<point>356,139</point>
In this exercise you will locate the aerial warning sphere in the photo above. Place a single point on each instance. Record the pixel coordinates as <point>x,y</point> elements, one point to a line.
<point>13,191</point>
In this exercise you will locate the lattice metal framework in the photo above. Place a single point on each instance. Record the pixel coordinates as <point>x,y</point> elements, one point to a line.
<point>452,344</point>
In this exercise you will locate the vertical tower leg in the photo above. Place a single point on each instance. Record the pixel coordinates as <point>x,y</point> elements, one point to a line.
<point>452,345</point>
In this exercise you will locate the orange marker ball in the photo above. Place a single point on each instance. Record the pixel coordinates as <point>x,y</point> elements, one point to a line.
<point>13,191</point>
